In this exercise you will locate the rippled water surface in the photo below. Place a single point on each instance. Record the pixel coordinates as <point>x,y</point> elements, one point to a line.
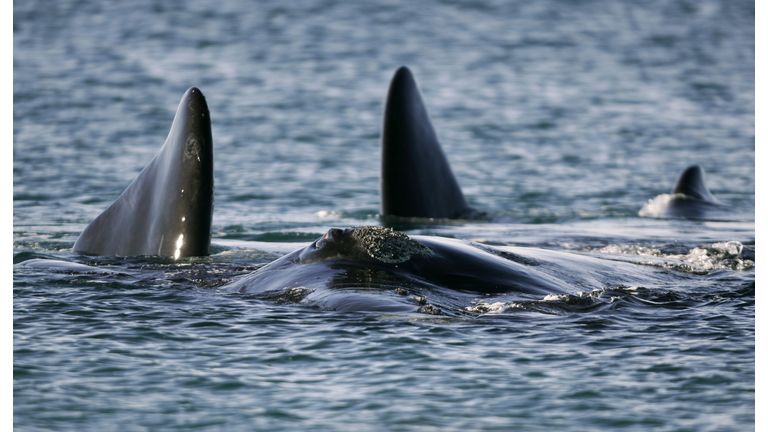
<point>561,120</point>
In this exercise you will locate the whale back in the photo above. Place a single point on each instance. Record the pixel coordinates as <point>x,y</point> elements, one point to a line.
<point>168,208</point>
<point>691,183</point>
<point>416,179</point>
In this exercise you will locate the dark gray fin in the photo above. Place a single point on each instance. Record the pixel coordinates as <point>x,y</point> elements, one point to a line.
<point>167,210</point>
<point>416,180</point>
<point>691,183</point>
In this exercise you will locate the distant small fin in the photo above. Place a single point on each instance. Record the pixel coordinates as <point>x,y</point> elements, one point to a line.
<point>691,183</point>
<point>416,179</point>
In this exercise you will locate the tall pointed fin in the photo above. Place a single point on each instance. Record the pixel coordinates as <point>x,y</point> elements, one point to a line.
<point>168,208</point>
<point>416,180</point>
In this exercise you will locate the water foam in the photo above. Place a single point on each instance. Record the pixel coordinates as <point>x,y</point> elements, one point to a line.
<point>703,259</point>
<point>654,207</point>
<point>490,308</point>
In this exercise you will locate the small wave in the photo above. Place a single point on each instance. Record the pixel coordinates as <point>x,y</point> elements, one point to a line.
<point>52,245</point>
<point>555,297</point>
<point>20,257</point>
<point>360,214</point>
<point>329,214</point>
<point>553,303</point>
<point>630,250</point>
<point>282,236</point>
<point>490,308</point>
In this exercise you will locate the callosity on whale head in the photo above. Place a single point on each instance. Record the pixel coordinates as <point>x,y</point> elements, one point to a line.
<point>168,208</point>
<point>363,243</point>
<point>416,179</point>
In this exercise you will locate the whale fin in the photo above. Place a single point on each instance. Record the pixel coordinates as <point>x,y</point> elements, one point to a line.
<point>416,180</point>
<point>168,208</point>
<point>691,199</point>
<point>691,183</point>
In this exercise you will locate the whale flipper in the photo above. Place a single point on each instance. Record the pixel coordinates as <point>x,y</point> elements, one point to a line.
<point>416,180</point>
<point>168,208</point>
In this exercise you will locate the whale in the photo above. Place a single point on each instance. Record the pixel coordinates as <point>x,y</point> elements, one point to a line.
<point>690,198</point>
<point>416,178</point>
<point>168,208</point>
<point>375,269</point>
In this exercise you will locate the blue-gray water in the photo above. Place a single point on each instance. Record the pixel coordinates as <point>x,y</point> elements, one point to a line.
<point>560,118</point>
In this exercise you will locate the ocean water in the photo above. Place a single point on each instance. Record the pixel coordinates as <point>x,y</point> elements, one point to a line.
<point>563,120</point>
